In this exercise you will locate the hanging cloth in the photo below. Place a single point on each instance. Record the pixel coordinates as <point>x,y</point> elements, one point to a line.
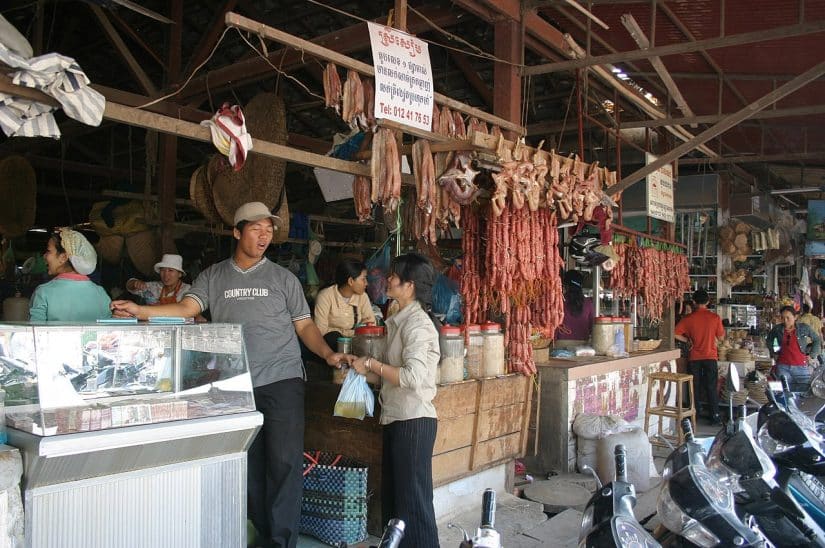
<point>229,135</point>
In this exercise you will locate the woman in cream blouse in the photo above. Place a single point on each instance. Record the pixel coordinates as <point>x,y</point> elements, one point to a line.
<point>345,304</point>
<point>408,415</point>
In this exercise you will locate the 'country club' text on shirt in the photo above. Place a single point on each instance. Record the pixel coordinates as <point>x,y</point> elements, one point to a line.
<point>246,293</point>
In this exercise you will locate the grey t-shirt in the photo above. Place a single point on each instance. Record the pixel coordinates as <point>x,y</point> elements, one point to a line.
<point>265,299</point>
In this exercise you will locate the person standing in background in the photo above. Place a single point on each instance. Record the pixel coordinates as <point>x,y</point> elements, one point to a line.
<point>579,312</point>
<point>791,339</point>
<point>815,323</point>
<point>702,329</point>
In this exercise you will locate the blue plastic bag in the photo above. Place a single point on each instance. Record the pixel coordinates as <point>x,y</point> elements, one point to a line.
<point>355,401</point>
<point>378,267</point>
<point>447,300</point>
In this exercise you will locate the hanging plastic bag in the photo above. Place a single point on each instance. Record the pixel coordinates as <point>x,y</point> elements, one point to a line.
<point>355,401</point>
<point>378,267</point>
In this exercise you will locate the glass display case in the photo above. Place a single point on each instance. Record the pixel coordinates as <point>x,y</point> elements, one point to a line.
<point>64,379</point>
<point>155,417</point>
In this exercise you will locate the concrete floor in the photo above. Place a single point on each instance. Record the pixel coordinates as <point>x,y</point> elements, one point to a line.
<point>524,524</point>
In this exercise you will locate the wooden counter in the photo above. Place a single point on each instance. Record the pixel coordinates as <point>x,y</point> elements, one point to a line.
<point>595,385</point>
<point>481,423</point>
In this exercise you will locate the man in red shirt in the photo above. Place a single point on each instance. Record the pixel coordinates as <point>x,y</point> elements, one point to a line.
<point>702,329</point>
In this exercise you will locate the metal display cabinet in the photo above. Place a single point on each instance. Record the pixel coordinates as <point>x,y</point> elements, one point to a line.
<point>132,435</point>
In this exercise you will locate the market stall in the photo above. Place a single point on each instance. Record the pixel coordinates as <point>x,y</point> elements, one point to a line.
<point>130,431</point>
<point>594,386</point>
<point>481,425</point>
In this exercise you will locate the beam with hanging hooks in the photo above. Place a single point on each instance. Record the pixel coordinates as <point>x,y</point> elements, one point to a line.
<point>244,23</point>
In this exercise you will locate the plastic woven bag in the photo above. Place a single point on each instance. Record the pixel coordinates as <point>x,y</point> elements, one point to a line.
<point>355,401</point>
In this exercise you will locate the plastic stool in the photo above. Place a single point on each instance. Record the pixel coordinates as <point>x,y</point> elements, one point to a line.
<point>662,410</point>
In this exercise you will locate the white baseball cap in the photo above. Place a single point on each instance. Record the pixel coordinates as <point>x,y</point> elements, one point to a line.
<point>170,260</point>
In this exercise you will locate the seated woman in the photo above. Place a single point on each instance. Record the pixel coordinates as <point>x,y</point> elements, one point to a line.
<point>170,289</point>
<point>345,304</point>
<point>71,296</point>
<point>578,313</point>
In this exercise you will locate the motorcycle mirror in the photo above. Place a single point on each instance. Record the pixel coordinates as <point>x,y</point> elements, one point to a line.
<point>733,379</point>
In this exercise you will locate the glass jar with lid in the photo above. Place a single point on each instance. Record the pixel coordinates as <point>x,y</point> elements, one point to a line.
<point>370,340</point>
<point>493,350</point>
<point>474,342</point>
<point>451,343</point>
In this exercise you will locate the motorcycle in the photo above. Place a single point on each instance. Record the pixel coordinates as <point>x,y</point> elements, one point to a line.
<point>608,519</point>
<point>486,535</point>
<point>797,448</point>
<point>695,505</point>
<point>739,463</point>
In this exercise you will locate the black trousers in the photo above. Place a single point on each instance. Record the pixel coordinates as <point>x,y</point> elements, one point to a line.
<point>706,379</point>
<point>407,480</point>
<point>275,463</point>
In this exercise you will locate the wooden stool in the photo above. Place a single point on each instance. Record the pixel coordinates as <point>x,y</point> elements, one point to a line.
<point>662,410</point>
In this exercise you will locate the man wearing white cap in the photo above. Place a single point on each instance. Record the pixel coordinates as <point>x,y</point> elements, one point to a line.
<point>170,289</point>
<point>268,301</point>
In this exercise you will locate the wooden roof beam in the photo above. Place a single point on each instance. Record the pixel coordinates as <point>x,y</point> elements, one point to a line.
<point>756,158</point>
<point>472,77</point>
<point>642,41</point>
<point>348,40</point>
<point>311,48</point>
<point>775,33</point>
<point>131,63</point>
<point>722,126</point>
<point>210,37</point>
<point>130,31</point>
<point>713,118</point>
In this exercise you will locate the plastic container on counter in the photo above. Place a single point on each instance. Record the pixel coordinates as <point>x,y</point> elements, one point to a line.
<point>493,350</point>
<point>344,347</point>
<point>474,341</point>
<point>370,340</point>
<point>604,332</point>
<point>627,325</point>
<point>451,366</point>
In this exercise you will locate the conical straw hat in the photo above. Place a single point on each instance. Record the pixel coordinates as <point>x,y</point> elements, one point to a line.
<point>144,250</point>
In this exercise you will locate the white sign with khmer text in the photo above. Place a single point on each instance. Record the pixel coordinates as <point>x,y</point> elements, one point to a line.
<point>403,77</point>
<point>660,192</point>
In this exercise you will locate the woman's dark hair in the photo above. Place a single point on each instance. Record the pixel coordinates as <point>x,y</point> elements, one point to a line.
<point>573,293</point>
<point>58,242</point>
<point>789,308</point>
<point>417,269</point>
<point>346,269</point>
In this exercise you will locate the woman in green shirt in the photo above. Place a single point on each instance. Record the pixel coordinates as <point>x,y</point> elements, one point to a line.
<point>70,296</point>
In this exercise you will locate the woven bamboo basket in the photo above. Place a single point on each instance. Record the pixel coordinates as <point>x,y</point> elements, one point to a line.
<point>648,345</point>
<point>110,248</point>
<point>200,192</point>
<point>144,250</point>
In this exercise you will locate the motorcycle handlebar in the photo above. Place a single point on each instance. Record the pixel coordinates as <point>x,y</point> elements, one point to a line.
<point>620,454</point>
<point>488,509</point>
<point>687,428</point>
<point>392,534</point>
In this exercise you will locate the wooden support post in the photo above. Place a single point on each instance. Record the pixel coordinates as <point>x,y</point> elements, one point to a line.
<point>508,46</point>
